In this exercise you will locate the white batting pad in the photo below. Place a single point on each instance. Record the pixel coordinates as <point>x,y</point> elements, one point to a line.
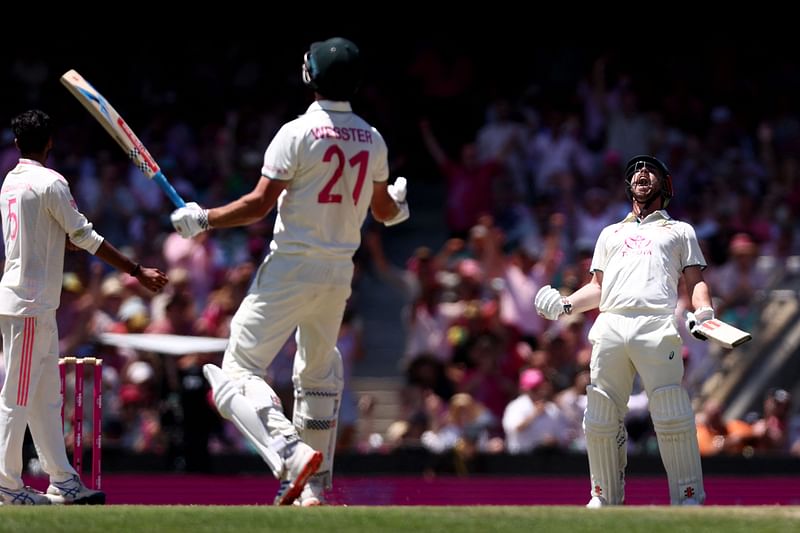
<point>239,410</point>
<point>316,412</point>
<point>673,420</point>
<point>606,446</point>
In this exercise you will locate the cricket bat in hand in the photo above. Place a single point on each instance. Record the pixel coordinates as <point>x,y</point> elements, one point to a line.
<point>721,332</point>
<point>119,130</point>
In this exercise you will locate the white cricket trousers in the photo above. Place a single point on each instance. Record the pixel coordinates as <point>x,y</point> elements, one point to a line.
<point>287,293</point>
<point>624,344</point>
<point>31,396</point>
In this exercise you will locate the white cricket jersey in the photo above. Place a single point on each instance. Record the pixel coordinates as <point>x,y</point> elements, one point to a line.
<point>38,212</point>
<point>331,157</point>
<point>642,262</point>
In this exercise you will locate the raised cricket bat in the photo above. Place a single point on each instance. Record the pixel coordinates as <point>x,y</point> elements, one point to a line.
<point>723,333</point>
<point>116,126</point>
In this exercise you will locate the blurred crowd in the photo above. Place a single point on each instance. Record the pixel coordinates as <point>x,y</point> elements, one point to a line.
<point>530,171</point>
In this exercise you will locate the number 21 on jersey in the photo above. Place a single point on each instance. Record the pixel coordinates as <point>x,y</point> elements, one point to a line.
<point>337,156</point>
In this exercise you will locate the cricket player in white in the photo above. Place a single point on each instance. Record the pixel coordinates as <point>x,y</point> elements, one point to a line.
<point>325,170</point>
<point>38,214</point>
<point>636,267</point>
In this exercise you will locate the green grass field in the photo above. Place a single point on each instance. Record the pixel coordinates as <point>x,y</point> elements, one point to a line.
<point>218,519</point>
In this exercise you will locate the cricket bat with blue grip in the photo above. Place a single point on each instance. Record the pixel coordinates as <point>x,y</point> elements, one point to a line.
<point>119,130</point>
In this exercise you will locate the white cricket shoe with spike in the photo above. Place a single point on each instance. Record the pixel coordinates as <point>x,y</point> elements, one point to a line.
<point>596,503</point>
<point>299,466</point>
<point>313,494</point>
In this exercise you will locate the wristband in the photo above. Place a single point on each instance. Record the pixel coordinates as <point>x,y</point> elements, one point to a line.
<point>136,270</point>
<point>202,220</point>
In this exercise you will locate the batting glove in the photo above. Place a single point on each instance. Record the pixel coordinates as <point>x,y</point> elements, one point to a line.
<point>190,220</point>
<point>397,191</point>
<point>694,320</point>
<point>550,304</point>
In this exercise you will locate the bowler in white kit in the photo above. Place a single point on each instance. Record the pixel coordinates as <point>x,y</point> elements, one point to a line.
<point>636,268</point>
<point>39,216</point>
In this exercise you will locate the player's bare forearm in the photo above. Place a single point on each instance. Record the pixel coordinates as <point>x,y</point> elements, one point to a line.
<point>241,212</point>
<point>387,213</point>
<point>701,296</point>
<point>109,254</point>
<point>551,304</point>
<point>588,296</point>
<point>585,298</point>
<point>250,207</point>
<point>150,278</point>
<point>697,288</point>
<point>382,205</point>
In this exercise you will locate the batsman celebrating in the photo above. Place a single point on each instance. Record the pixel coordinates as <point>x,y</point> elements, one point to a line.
<point>636,268</point>
<point>324,170</point>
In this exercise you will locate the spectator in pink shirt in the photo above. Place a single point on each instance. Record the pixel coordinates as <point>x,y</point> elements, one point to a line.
<point>533,420</point>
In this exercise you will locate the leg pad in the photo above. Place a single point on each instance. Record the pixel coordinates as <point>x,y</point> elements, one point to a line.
<point>606,446</point>
<point>673,420</point>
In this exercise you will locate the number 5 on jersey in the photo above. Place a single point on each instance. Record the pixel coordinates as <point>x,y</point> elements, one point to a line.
<point>12,224</point>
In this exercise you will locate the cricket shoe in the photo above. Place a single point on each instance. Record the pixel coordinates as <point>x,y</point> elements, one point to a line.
<point>313,494</point>
<point>300,465</point>
<point>23,496</point>
<point>74,492</point>
<point>597,502</point>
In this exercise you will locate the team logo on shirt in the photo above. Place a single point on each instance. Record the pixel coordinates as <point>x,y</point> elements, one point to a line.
<point>637,245</point>
<point>637,242</point>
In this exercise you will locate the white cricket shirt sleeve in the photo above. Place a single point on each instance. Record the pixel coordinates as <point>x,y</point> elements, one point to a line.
<point>61,206</point>
<point>380,169</point>
<point>280,158</point>
<point>600,256</point>
<point>694,254</point>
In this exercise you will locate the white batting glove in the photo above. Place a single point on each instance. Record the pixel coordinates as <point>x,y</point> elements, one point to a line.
<point>550,304</point>
<point>397,191</point>
<point>694,320</point>
<point>190,220</point>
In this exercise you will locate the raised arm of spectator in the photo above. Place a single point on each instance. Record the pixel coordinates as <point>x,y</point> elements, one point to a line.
<point>388,272</point>
<point>432,143</point>
<point>552,254</point>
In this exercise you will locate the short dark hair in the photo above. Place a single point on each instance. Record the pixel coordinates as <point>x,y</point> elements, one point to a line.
<point>32,130</point>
